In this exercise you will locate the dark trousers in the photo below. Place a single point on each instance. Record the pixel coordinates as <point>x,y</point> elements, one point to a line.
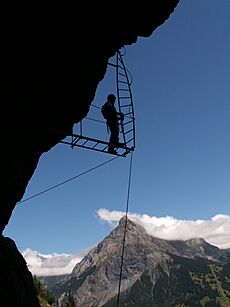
<point>114,133</point>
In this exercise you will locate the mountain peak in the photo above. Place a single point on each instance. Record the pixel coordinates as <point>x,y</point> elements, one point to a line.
<point>124,220</point>
<point>149,263</point>
<point>132,228</point>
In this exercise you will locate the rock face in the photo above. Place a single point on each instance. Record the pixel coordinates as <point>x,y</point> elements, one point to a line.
<point>52,61</point>
<point>53,57</point>
<point>155,272</point>
<point>16,282</point>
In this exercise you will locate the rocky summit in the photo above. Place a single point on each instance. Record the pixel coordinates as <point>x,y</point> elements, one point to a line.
<point>155,272</point>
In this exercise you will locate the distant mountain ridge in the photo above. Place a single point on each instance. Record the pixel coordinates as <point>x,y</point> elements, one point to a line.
<point>156,272</point>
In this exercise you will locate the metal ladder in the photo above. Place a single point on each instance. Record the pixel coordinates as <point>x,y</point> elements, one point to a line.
<point>127,126</point>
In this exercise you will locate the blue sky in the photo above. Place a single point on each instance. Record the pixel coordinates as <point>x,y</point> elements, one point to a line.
<point>181,164</point>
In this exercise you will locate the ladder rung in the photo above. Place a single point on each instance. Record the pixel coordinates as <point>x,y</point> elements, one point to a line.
<point>128,131</point>
<point>76,140</point>
<point>126,105</point>
<point>120,60</point>
<point>105,147</point>
<point>125,97</point>
<point>119,66</point>
<point>114,65</point>
<point>129,140</point>
<point>84,143</point>
<point>131,121</point>
<point>95,145</point>
<point>121,74</point>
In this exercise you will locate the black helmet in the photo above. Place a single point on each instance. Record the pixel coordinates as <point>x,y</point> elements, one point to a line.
<point>111,97</point>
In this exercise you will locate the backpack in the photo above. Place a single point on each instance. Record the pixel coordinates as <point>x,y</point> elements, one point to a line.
<point>106,111</point>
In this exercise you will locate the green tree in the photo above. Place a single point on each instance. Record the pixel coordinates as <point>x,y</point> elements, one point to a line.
<point>42,292</point>
<point>70,300</point>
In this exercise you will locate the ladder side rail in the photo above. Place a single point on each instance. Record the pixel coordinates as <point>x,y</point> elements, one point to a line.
<point>131,98</point>
<point>118,93</point>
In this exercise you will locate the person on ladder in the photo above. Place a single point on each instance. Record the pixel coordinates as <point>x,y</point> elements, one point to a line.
<point>112,117</point>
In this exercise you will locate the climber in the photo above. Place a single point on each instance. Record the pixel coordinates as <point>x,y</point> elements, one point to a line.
<point>112,117</point>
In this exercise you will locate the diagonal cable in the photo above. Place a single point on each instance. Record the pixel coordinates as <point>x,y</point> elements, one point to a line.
<point>63,182</point>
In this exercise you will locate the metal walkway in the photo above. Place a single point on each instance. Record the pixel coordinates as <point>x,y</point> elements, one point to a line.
<point>127,126</point>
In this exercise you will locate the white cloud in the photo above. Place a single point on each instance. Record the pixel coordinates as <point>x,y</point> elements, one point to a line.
<point>51,264</point>
<point>215,231</point>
